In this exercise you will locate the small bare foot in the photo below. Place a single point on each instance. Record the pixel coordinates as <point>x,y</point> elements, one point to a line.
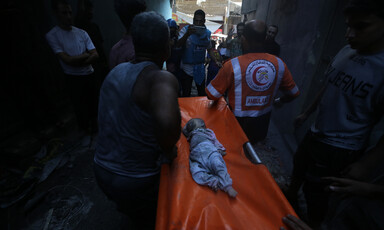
<point>232,192</point>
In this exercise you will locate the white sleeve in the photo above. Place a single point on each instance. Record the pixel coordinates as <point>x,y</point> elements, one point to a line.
<point>88,42</point>
<point>54,43</point>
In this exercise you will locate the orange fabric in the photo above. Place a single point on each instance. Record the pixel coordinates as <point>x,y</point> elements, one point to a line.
<point>183,204</point>
<point>224,81</point>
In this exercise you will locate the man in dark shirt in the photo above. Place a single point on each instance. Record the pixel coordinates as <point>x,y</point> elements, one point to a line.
<point>271,45</point>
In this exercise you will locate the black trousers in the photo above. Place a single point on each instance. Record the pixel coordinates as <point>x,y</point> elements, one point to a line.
<point>83,95</point>
<point>186,85</point>
<point>314,160</point>
<point>135,197</point>
<point>256,128</point>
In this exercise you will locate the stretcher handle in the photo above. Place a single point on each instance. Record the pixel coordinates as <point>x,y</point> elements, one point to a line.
<point>252,153</point>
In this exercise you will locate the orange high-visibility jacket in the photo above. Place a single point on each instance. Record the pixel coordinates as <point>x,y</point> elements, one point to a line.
<point>252,81</point>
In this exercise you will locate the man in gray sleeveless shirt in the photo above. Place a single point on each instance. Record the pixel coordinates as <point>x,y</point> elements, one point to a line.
<point>350,104</point>
<point>139,121</point>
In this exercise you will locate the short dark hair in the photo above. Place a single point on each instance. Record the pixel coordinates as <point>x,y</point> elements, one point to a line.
<point>199,12</point>
<point>150,32</point>
<point>127,9</point>
<point>240,24</point>
<point>365,6</point>
<point>253,35</point>
<point>55,4</point>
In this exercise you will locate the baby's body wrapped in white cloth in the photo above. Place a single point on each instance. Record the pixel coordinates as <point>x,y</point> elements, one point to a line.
<point>206,161</point>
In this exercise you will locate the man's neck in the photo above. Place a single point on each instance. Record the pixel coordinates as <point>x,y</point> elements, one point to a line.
<point>145,57</point>
<point>255,49</point>
<point>65,27</point>
<point>373,49</point>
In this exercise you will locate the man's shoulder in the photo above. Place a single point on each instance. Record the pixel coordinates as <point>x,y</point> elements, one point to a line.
<point>261,58</point>
<point>159,75</point>
<point>257,56</point>
<point>79,32</point>
<point>52,31</point>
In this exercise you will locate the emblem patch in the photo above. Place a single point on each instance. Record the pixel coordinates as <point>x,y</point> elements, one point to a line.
<point>260,75</point>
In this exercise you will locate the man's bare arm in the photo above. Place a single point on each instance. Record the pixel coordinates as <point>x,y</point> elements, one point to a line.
<point>300,119</point>
<point>73,60</point>
<point>93,56</point>
<point>354,187</point>
<point>164,108</point>
<point>182,40</point>
<point>83,59</point>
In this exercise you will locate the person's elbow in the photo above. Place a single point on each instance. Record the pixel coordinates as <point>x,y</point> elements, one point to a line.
<point>291,95</point>
<point>94,55</point>
<point>212,96</point>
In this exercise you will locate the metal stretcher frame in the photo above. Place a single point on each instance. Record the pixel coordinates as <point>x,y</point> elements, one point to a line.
<point>183,204</point>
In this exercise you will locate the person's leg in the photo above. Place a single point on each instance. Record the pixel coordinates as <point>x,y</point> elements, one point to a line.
<point>210,77</point>
<point>76,91</point>
<point>220,169</point>
<point>201,89</point>
<point>324,160</point>
<point>91,103</point>
<point>87,101</point>
<point>186,84</point>
<point>300,164</point>
<point>135,197</point>
<point>256,128</point>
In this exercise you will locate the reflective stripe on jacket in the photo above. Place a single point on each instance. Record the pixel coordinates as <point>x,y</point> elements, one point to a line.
<point>252,81</point>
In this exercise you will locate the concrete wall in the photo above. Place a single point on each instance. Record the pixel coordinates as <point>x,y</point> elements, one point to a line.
<point>310,33</point>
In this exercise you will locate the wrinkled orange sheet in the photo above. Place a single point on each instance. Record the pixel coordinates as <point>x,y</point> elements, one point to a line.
<point>183,204</point>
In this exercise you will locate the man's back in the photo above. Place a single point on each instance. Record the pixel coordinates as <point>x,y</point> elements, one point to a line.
<point>126,143</point>
<point>252,81</point>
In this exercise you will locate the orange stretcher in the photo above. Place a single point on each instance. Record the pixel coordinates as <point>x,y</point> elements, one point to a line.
<point>183,204</point>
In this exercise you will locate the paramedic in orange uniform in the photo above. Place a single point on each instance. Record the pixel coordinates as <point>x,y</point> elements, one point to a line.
<point>252,81</point>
